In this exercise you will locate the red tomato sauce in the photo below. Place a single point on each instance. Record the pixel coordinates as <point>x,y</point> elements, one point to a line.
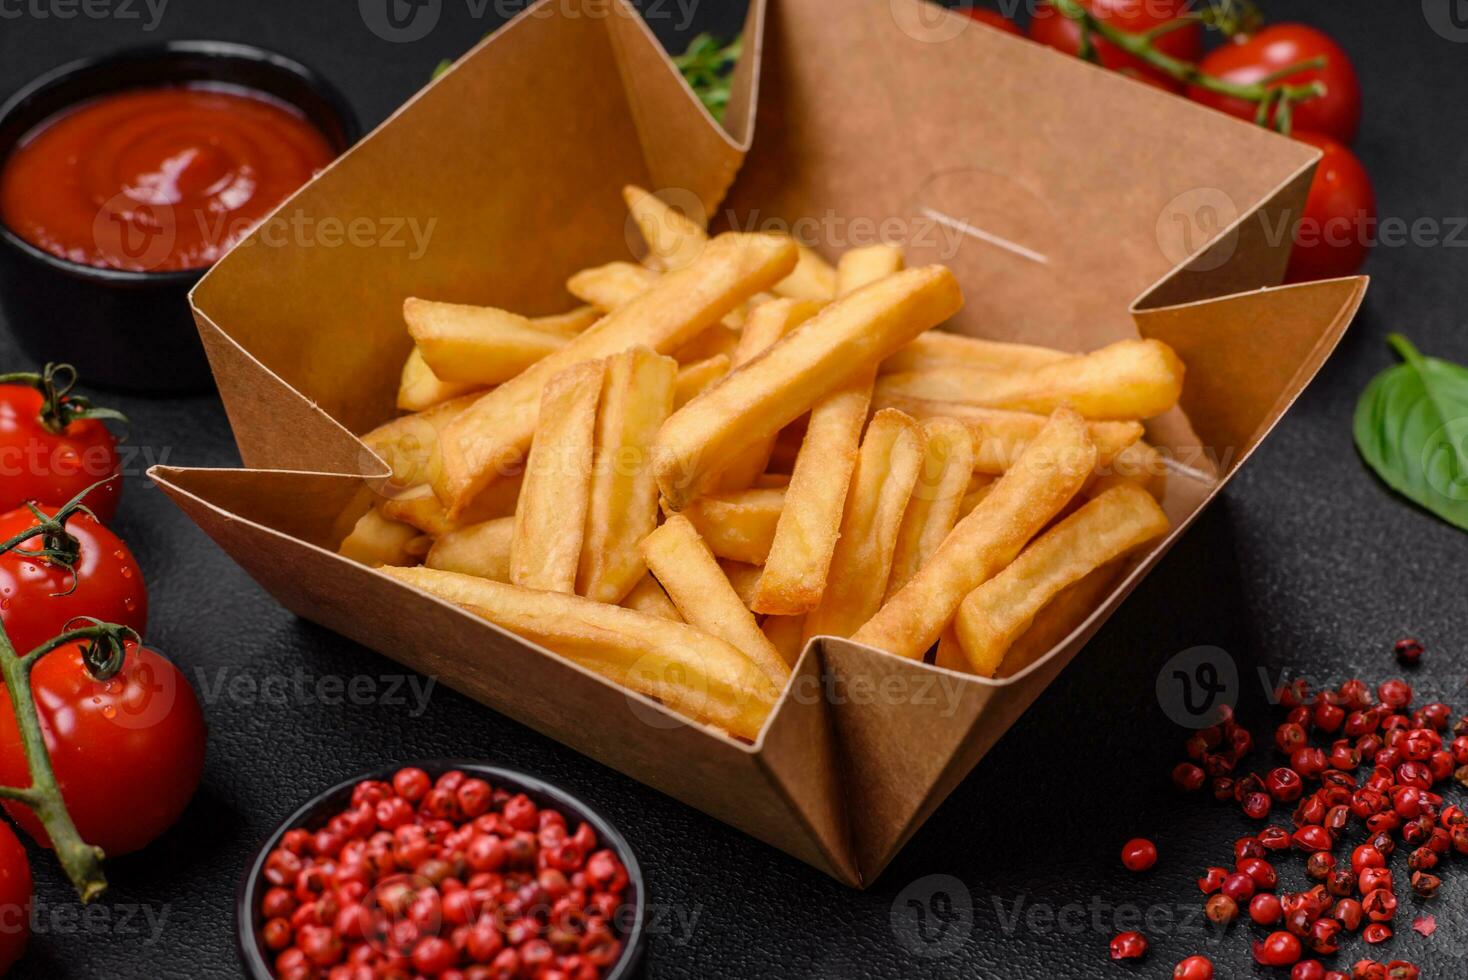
<point>156,179</point>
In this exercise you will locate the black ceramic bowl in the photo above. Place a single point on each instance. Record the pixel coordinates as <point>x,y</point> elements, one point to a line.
<point>316,812</point>
<point>133,330</point>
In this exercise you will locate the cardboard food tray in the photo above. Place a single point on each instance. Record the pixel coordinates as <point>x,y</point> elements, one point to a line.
<point>1058,194</point>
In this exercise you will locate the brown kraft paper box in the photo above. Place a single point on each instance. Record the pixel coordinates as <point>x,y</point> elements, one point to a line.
<point>1075,206</point>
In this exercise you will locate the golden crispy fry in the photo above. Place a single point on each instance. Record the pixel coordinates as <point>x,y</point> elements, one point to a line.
<point>376,540</point>
<point>938,349</point>
<point>973,498</point>
<point>997,612</point>
<point>419,507</point>
<point>950,653</point>
<point>492,435</point>
<point>739,525</point>
<point>766,326</point>
<point>476,344</point>
<point>800,553</point>
<point>743,576</point>
<point>692,578</point>
<point>637,396</point>
<point>812,279</point>
<point>420,389</point>
<point>1052,470</point>
<point>1138,463</point>
<point>612,286</point>
<point>551,518</point>
<point>862,266</point>
<point>648,597</point>
<point>1060,618</point>
<point>409,444</point>
<point>948,465</point>
<point>1133,379</point>
<point>695,379</point>
<point>886,469</point>
<point>568,324</point>
<point>673,238</point>
<point>693,673</point>
<point>1000,436</point>
<point>479,549</point>
<point>787,633</point>
<point>718,339</point>
<point>845,341</point>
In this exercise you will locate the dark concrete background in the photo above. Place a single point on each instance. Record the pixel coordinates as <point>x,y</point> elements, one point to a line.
<point>1306,565</point>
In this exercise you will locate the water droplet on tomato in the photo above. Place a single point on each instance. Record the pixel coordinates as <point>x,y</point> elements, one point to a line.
<point>126,572</point>
<point>108,711</point>
<point>129,604</point>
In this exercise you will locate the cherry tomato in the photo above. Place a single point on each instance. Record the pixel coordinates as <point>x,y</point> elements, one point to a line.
<point>1049,26</point>
<point>15,898</point>
<point>1339,219</point>
<point>994,18</point>
<point>34,602</point>
<point>53,467</point>
<point>128,752</point>
<point>1336,114</point>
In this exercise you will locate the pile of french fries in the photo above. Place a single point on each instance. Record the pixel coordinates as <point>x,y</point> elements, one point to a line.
<point>734,447</point>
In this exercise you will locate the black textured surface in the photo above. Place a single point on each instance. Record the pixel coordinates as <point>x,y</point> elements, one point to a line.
<point>1306,565</point>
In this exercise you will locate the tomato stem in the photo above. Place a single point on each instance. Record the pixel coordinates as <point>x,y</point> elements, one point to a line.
<point>59,406</point>
<point>58,547</point>
<point>1140,45</point>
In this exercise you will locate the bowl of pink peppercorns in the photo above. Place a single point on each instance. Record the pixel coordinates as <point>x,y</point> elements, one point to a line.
<point>445,869</point>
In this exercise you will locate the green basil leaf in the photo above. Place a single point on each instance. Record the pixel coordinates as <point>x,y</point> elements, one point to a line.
<point>1411,427</point>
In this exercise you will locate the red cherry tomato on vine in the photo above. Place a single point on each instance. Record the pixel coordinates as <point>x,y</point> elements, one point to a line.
<point>1340,216</point>
<point>128,752</point>
<point>52,467</point>
<point>994,19</point>
<point>15,898</point>
<point>34,602</point>
<point>1336,114</point>
<point>1049,26</point>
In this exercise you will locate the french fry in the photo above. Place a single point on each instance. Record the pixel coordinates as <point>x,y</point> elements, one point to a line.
<point>787,633</point>
<point>691,576</point>
<point>672,237</point>
<point>718,339</point>
<point>693,673</point>
<point>1052,470</point>
<point>419,506</point>
<point>859,267</point>
<point>813,279</point>
<point>496,430</point>
<point>805,539</point>
<point>479,345</point>
<point>648,597</point>
<point>637,396</point>
<point>1138,463</point>
<point>742,576</point>
<point>950,654</point>
<point>479,549</point>
<point>765,327</point>
<point>845,341</point>
<point>939,349</point>
<point>886,469</point>
<point>998,611</point>
<point>1133,379</point>
<point>739,525</point>
<point>551,519</point>
<point>375,540</point>
<point>695,379</point>
<point>1000,436</point>
<point>612,286</point>
<point>973,498</point>
<point>420,389</point>
<point>409,444</point>
<point>568,324</point>
<point>1059,619</point>
<point>948,465</point>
